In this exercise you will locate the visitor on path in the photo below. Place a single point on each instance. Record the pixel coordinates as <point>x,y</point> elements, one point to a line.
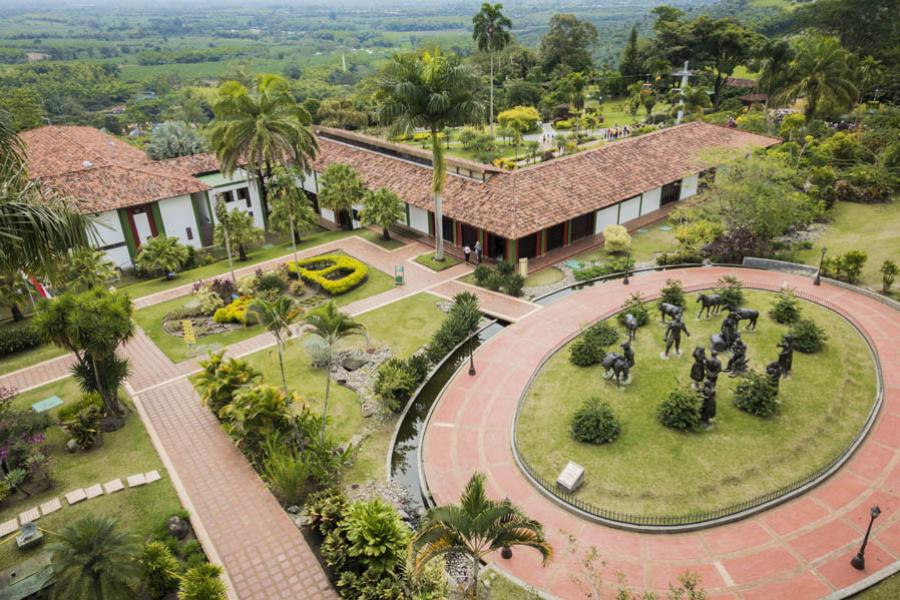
<point>466,252</point>
<point>478,252</point>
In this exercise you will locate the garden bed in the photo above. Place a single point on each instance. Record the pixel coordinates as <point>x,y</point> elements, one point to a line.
<point>652,470</point>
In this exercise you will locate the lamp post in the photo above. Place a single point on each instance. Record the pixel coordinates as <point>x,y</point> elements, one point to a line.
<point>472,359</point>
<point>859,561</point>
<point>818,280</point>
<point>627,268</point>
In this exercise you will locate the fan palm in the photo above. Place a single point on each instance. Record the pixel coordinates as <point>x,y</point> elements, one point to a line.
<point>261,129</point>
<point>329,326</point>
<point>162,254</point>
<point>291,210</point>
<point>277,315</point>
<point>432,90</point>
<point>490,30</point>
<point>475,527</point>
<point>88,268</point>
<point>340,188</point>
<point>92,560</point>
<point>820,73</point>
<point>239,227</point>
<point>382,207</point>
<point>690,99</point>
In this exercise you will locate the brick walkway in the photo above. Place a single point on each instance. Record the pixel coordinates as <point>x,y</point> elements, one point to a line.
<point>799,550</point>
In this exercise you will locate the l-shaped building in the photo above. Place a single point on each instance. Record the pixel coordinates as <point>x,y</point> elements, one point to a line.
<point>528,212</point>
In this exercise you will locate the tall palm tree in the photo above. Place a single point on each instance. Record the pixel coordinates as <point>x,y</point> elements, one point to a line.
<point>821,73</point>
<point>490,30</point>
<point>432,90</point>
<point>475,527</point>
<point>694,100</point>
<point>772,64</point>
<point>277,315</point>
<point>329,326</point>
<point>291,210</point>
<point>93,561</point>
<point>261,128</point>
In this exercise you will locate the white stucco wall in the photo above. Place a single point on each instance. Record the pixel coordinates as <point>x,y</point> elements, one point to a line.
<point>237,204</point>
<point>177,216</point>
<point>651,201</point>
<point>309,183</point>
<point>606,216</point>
<point>109,232</point>
<point>418,219</point>
<point>689,186</point>
<point>328,215</point>
<point>629,209</point>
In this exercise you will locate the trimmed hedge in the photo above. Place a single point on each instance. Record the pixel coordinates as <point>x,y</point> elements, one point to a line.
<point>325,271</point>
<point>17,337</point>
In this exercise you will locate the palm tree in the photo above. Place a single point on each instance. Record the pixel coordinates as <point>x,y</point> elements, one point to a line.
<point>291,210</point>
<point>820,73</point>
<point>490,30</point>
<point>222,217</point>
<point>383,208</point>
<point>432,90</point>
<point>329,326</point>
<point>277,315</point>
<point>339,189</point>
<point>695,99</point>
<point>261,129</point>
<point>162,254</point>
<point>475,527</point>
<point>772,64</point>
<point>240,229</point>
<point>92,560</point>
<point>88,268</point>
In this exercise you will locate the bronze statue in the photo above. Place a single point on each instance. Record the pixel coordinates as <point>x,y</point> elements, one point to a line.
<point>723,340</point>
<point>713,367</point>
<point>744,314</point>
<point>618,365</point>
<point>631,326</point>
<point>698,370</point>
<point>708,411</point>
<point>786,356</point>
<point>737,364</point>
<point>709,302</point>
<point>669,309</point>
<point>773,370</point>
<point>673,336</point>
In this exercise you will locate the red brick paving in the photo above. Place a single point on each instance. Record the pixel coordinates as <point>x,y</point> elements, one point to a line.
<point>796,551</point>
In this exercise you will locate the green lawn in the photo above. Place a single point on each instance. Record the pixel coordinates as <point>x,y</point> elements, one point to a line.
<point>505,589</point>
<point>27,358</point>
<point>874,228</point>
<point>404,326</point>
<point>653,470</point>
<point>887,589</point>
<point>547,276</point>
<point>123,453</point>
<point>151,320</point>
<point>428,260</point>
<point>646,243</point>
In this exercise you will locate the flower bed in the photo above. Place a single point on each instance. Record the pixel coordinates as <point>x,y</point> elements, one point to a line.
<point>336,274</point>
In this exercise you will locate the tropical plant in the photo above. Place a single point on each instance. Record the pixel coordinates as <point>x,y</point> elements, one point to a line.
<point>474,528</point>
<point>369,537</point>
<point>522,119</point>
<point>329,326</point>
<point>91,325</point>
<point>202,582</point>
<point>84,427</point>
<point>285,470</point>
<point>257,413</point>
<point>490,30</point>
<point>277,315</point>
<point>691,100</point>
<point>342,113</point>
<point>87,268</point>
<point>159,568</point>
<point>162,254</point>
<point>93,560</point>
<point>461,321</point>
<point>220,379</point>
<point>756,394</point>
<point>383,208</point>
<point>13,291</point>
<point>240,229</point>
<point>595,423</point>
<point>433,90</point>
<point>261,129</point>
<point>291,211</point>
<point>172,139</point>
<point>821,74</point>
<point>340,188</point>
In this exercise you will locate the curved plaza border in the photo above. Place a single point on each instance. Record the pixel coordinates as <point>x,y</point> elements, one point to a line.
<point>800,549</point>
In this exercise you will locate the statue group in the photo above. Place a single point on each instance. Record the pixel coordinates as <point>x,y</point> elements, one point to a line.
<point>619,365</point>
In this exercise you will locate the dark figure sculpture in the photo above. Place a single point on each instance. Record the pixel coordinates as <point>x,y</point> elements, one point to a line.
<point>627,353</point>
<point>722,341</point>
<point>673,336</point>
<point>698,369</point>
<point>744,314</point>
<point>709,302</point>
<point>713,367</point>
<point>737,364</point>
<point>773,370</point>
<point>614,364</point>
<point>786,356</point>
<point>669,309</point>
<point>708,411</point>
<point>631,325</point>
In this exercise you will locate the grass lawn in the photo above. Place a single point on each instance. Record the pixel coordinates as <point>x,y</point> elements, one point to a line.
<point>653,470</point>
<point>874,228</point>
<point>547,276</point>
<point>646,243</point>
<point>27,358</point>
<point>404,326</point>
<point>428,260</point>
<point>505,589</point>
<point>124,452</point>
<point>887,589</point>
<point>151,320</point>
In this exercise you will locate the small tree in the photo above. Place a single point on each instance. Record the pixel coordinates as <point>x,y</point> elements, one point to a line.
<point>220,379</point>
<point>785,310</point>
<point>731,290</point>
<point>277,315</point>
<point>595,423</point>
<point>756,394</point>
<point>162,254</point>
<point>889,270</point>
<point>87,268</point>
<point>202,582</point>
<point>160,569</point>
<point>809,338</point>
<point>681,409</point>
<point>291,210</point>
<point>339,189</point>
<point>241,230</point>
<point>174,138</point>
<point>383,208</point>
<point>673,293</point>
<point>523,119</point>
<point>222,231</point>
<point>616,239</point>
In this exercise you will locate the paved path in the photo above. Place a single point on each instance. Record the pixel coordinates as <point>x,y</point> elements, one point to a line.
<point>799,550</point>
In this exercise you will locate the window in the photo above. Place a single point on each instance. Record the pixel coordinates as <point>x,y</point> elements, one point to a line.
<point>528,246</point>
<point>556,237</point>
<point>226,196</point>
<point>670,193</point>
<point>244,194</point>
<point>582,226</point>
<point>189,233</point>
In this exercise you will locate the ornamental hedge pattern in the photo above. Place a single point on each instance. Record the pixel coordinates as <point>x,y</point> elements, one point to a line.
<point>336,274</point>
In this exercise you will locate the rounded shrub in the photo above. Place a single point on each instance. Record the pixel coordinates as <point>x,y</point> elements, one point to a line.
<point>673,293</point>
<point>755,394</point>
<point>595,423</point>
<point>590,347</point>
<point>809,338</point>
<point>616,238</point>
<point>637,307</point>
<point>681,409</point>
<point>271,282</point>
<point>786,309</point>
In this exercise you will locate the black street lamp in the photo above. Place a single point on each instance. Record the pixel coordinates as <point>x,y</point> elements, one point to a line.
<point>627,268</point>
<point>472,359</point>
<point>818,280</point>
<point>859,561</point>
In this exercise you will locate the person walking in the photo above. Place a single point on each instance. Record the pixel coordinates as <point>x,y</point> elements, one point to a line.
<point>466,252</point>
<point>478,252</point>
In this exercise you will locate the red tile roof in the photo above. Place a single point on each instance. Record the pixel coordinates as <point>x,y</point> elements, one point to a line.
<point>99,172</point>
<point>516,204</point>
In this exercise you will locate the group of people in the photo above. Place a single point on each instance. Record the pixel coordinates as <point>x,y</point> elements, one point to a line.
<point>614,133</point>
<point>467,252</point>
